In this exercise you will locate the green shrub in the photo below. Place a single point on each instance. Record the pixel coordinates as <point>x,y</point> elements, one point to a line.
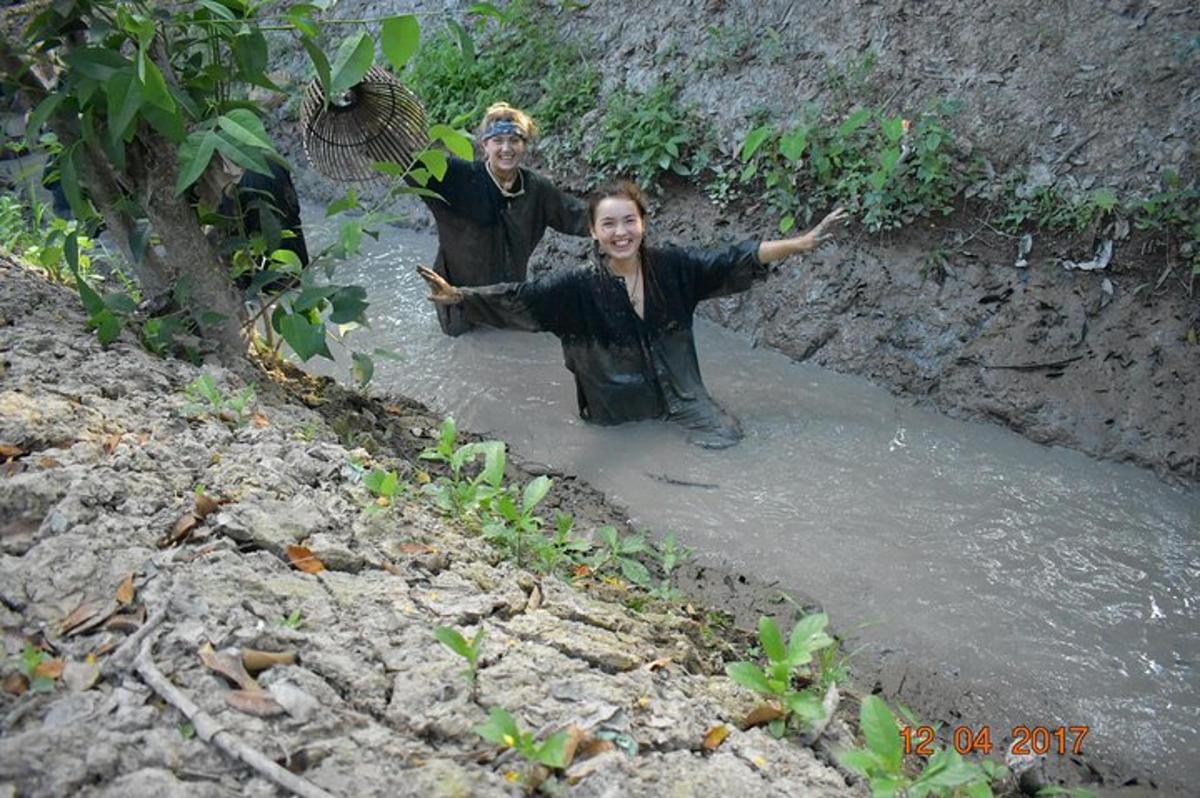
<point>646,135</point>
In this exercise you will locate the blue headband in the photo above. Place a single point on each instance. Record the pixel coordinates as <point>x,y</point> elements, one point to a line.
<point>503,127</point>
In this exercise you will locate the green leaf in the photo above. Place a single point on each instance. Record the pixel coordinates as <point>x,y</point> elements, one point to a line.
<point>754,140</point>
<point>889,158</point>
<point>301,17</point>
<point>893,129</point>
<point>349,302</point>
<point>92,302</point>
<point>242,154</point>
<point>792,144</point>
<point>169,124</point>
<point>400,39</point>
<point>350,236</point>
<point>853,122</point>
<point>493,462</point>
<point>488,10</point>
<point>451,639</point>
<point>362,368</point>
<point>787,223</point>
<point>124,95</point>
<point>634,572</point>
<point>535,491</point>
<point>772,640</point>
<point>749,675</point>
<point>154,87</point>
<point>342,203</point>
<point>37,119</point>
<point>194,155</point>
<point>217,10</point>
<point>456,141</point>
<point>304,337</point>
<point>320,62</point>
<point>878,726</point>
<point>354,57</point>
<point>465,44</point>
<point>97,63</point>
<point>244,125</point>
<point>435,161</point>
<point>806,705</point>
<point>807,636</point>
<point>288,259</point>
<point>250,55</point>
<point>500,729</point>
<point>553,752</point>
<point>68,175</point>
<point>862,762</point>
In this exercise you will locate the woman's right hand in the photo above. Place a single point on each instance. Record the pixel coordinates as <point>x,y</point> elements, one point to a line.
<point>441,291</point>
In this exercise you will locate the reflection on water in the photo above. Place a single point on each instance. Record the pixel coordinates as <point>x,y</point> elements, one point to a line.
<point>1067,585</point>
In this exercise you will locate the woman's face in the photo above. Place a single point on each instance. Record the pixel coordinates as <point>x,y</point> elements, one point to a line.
<point>504,153</point>
<point>618,227</point>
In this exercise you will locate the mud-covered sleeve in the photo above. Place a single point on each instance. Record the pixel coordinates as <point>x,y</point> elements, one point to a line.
<point>707,273</point>
<point>544,305</point>
<point>564,212</point>
<point>455,187</point>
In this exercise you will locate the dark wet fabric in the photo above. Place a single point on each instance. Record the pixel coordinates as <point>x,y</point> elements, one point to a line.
<point>627,368</point>
<point>485,237</point>
<point>269,205</point>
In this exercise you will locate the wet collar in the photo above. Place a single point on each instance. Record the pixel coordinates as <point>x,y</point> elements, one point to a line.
<point>519,182</point>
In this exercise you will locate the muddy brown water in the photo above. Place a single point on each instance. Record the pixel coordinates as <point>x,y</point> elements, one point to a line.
<point>1053,589</point>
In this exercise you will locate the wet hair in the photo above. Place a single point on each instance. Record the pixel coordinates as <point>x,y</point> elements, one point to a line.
<point>503,112</point>
<point>620,189</point>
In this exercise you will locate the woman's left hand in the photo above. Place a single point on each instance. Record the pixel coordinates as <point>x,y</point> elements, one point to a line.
<point>824,229</point>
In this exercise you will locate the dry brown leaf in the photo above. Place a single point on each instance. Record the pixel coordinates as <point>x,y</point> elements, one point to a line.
<point>535,599</point>
<point>304,560</point>
<point>112,442</point>
<point>228,665</point>
<point>181,532</point>
<point>49,668</point>
<point>259,420</point>
<point>127,621</point>
<point>575,736</point>
<point>106,646</point>
<point>48,462</point>
<point>81,676</point>
<point>661,662</point>
<point>15,684</point>
<point>143,438</point>
<point>594,747</point>
<point>11,450</point>
<point>205,506</point>
<point>254,702</point>
<point>258,661</point>
<point>761,715</point>
<point>417,548</point>
<point>126,590</point>
<point>87,616</point>
<point>715,736</point>
<point>582,571</point>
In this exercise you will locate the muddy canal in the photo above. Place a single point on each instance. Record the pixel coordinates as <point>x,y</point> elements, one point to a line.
<point>1051,589</point>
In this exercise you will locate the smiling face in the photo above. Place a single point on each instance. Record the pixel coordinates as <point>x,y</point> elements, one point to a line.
<point>618,227</point>
<point>504,153</point>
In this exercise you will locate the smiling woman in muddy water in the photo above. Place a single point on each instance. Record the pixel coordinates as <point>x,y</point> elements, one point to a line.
<point>625,322</point>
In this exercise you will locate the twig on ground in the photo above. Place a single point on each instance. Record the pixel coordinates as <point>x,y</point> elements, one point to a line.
<point>209,730</point>
<point>123,656</point>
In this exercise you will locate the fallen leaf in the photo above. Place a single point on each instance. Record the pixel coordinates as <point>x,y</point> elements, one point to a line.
<point>112,442</point>
<point>535,599</point>
<point>15,684</point>
<point>143,438</point>
<point>127,621</point>
<point>661,662</point>
<point>575,736</point>
<point>126,591</point>
<point>11,450</point>
<point>228,665</point>
<point>48,462</point>
<point>258,661</point>
<point>87,616</point>
<point>106,646</point>
<point>304,560</point>
<point>205,506</point>
<point>715,736</point>
<point>81,676</point>
<point>581,571</point>
<point>49,669</point>
<point>422,477</point>
<point>254,702</point>
<point>259,420</point>
<point>181,532</point>
<point>416,548</point>
<point>761,715</point>
<point>594,747</point>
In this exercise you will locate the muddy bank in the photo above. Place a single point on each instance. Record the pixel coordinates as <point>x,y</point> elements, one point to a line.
<point>104,462</point>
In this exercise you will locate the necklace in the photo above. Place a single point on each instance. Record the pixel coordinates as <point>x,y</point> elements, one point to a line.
<point>633,286</point>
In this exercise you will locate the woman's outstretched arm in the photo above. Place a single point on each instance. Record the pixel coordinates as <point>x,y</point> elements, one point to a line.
<point>539,305</point>
<point>769,251</point>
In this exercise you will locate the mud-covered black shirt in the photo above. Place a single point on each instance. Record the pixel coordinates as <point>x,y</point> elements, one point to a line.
<point>626,368</point>
<point>485,237</point>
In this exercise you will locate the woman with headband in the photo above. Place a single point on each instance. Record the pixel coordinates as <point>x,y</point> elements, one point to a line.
<point>626,322</point>
<point>492,213</point>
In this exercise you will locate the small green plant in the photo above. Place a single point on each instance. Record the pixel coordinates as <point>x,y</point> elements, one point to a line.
<point>1174,210</point>
<point>1053,208</point>
<point>551,553</point>
<point>468,650</point>
<point>293,620</point>
<point>614,551</point>
<point>31,658</point>
<point>383,484</point>
<point>784,663</point>
<point>511,522</point>
<point>881,761</point>
<point>502,730</point>
<point>670,555</point>
<point>645,135</point>
<point>461,496</point>
<point>206,398</point>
